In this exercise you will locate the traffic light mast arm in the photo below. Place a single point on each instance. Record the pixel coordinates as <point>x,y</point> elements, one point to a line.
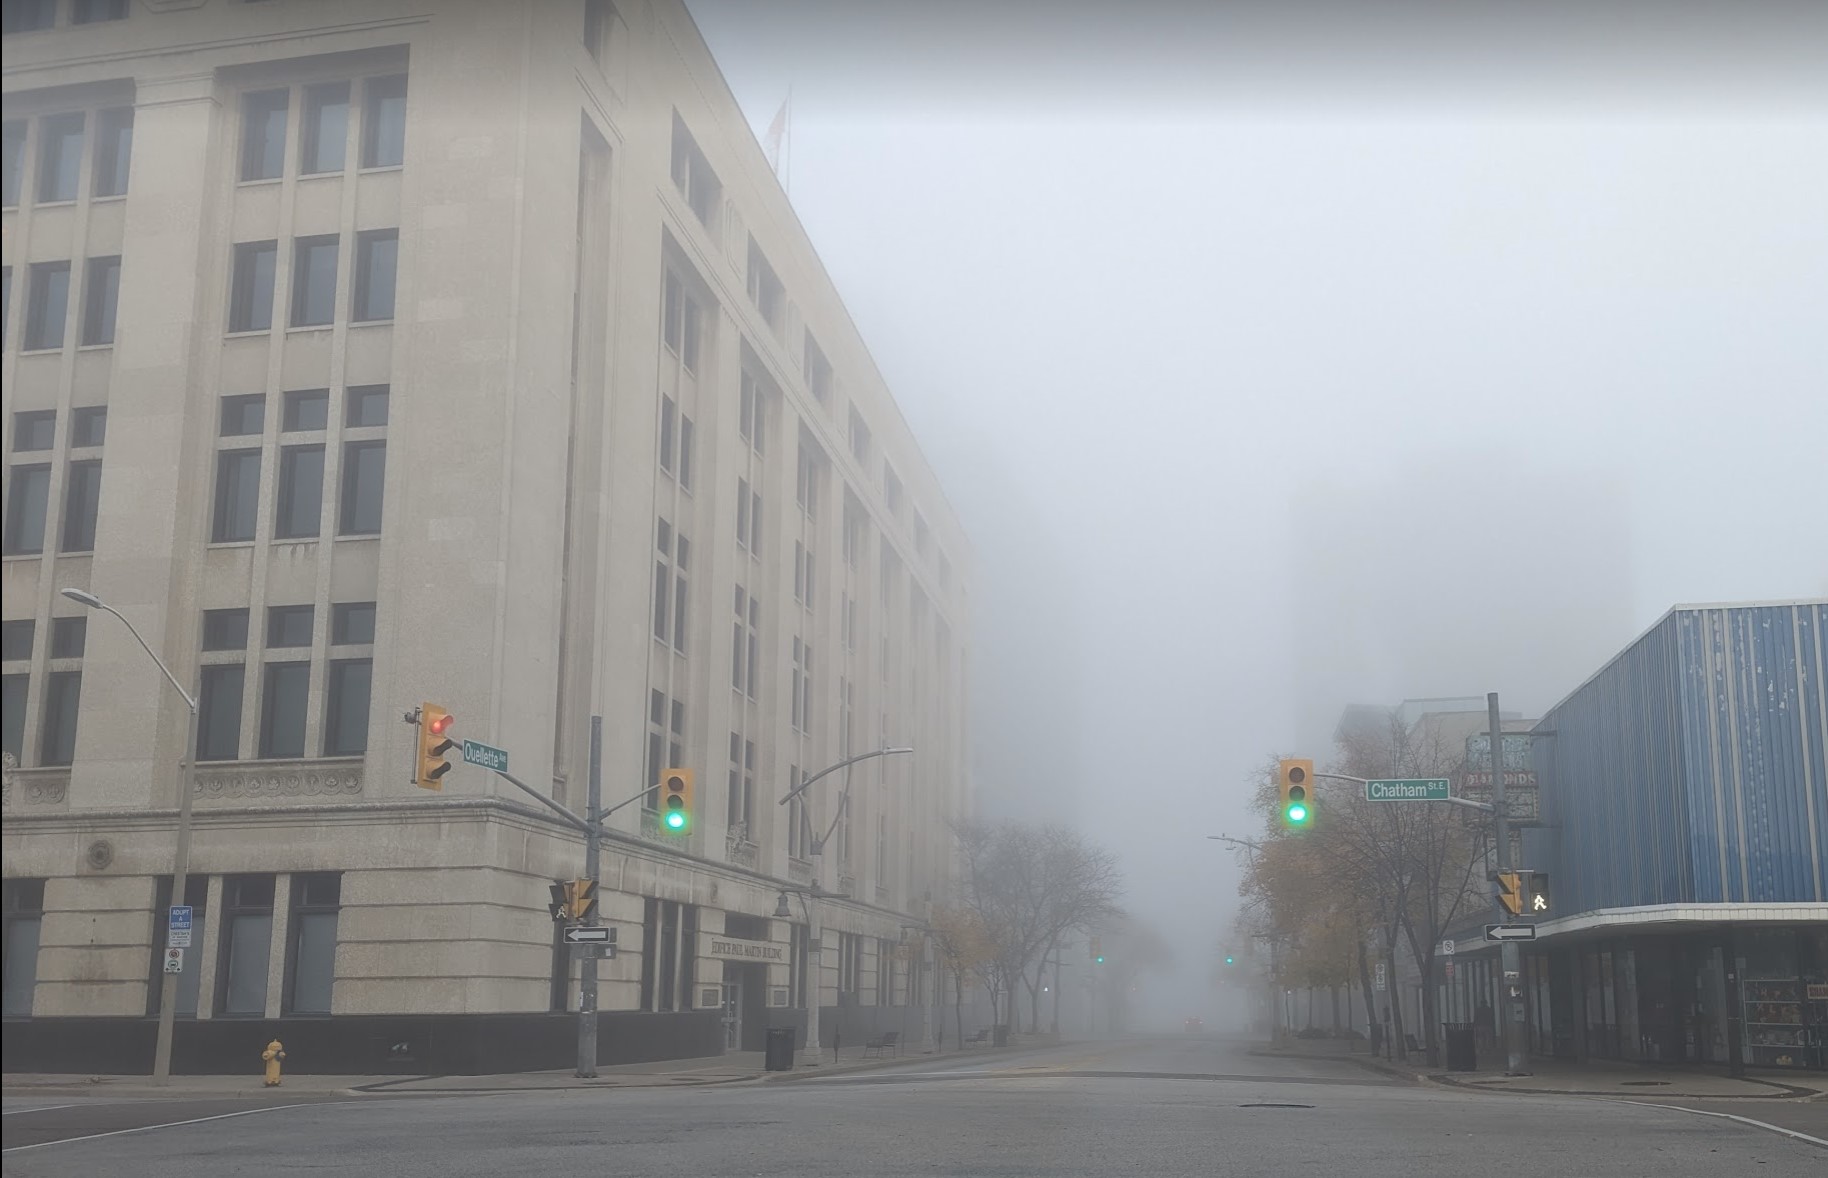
<point>564,813</point>
<point>830,769</point>
<point>1482,807</point>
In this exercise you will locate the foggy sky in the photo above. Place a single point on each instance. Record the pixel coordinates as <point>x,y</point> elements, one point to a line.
<point>1282,325</point>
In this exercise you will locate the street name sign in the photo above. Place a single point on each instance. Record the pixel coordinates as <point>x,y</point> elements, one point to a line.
<point>1510,932</point>
<point>590,934</point>
<point>486,755</point>
<point>1408,789</point>
<point>177,927</point>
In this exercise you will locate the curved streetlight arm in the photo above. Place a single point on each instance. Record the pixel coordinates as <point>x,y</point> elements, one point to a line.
<point>94,602</point>
<point>830,769</point>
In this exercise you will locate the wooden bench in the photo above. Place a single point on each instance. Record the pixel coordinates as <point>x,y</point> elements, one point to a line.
<point>982,1037</point>
<point>887,1041</point>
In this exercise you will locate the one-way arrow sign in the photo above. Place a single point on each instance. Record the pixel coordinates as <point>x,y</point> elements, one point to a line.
<point>590,934</point>
<point>1510,932</point>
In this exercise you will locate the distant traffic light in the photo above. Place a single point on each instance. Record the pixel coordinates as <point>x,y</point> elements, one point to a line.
<point>1294,786</point>
<point>676,800</point>
<point>1229,959</point>
<point>1097,948</point>
<point>434,722</point>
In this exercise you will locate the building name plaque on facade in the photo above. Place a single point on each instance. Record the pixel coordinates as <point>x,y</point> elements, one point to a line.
<point>735,949</point>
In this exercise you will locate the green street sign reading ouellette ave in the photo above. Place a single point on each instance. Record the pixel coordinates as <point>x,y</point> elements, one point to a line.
<point>486,755</point>
<point>1408,789</point>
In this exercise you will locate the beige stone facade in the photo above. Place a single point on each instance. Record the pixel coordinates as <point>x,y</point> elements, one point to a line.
<point>473,350</point>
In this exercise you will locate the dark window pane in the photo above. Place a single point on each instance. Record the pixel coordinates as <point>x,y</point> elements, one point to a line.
<point>88,426</point>
<point>225,629</point>
<point>60,156</point>
<point>346,710</point>
<point>12,714</point>
<point>23,16</point>
<point>237,495</point>
<point>263,134</point>
<point>34,430</point>
<point>251,292</point>
<point>68,637</point>
<point>81,503</point>
<point>366,405</point>
<point>282,710</point>
<point>364,474</point>
<point>301,492</point>
<point>89,11</point>
<point>317,889</point>
<point>248,891</point>
<point>28,496</point>
<point>242,416</point>
<point>101,290</point>
<point>314,962</point>
<point>352,623</point>
<point>249,942</point>
<point>289,625</point>
<point>57,737</point>
<point>113,151</point>
<point>326,127</point>
<point>12,167</point>
<point>377,258</point>
<point>21,968</point>
<point>219,712</point>
<point>307,410</point>
<point>314,281</point>
<point>47,299</point>
<point>16,639</point>
<point>384,122</point>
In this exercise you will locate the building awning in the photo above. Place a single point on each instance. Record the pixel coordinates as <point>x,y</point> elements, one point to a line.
<point>1658,917</point>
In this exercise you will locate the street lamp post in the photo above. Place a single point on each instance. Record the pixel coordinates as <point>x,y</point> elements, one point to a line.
<point>168,983</point>
<point>814,948</point>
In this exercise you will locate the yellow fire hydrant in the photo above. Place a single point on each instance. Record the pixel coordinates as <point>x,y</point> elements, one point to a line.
<point>273,1054</point>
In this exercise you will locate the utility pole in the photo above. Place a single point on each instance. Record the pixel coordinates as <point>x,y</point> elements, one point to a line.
<point>587,964</point>
<point>1510,956</point>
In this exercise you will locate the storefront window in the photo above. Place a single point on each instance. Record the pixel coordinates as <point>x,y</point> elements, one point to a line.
<point>1771,986</point>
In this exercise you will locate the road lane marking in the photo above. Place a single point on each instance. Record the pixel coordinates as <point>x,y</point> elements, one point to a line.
<point>37,1108</point>
<point>1702,1112</point>
<point>246,1112</point>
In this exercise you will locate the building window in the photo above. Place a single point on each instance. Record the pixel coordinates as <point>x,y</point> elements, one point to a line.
<point>679,321</point>
<point>818,375</point>
<point>352,623</point>
<point>12,158</point>
<point>306,411</point>
<point>16,639</point>
<point>69,636</point>
<point>27,499</point>
<point>81,502</point>
<point>665,741</point>
<point>384,122</point>
<point>847,698</point>
<point>802,686</point>
<point>693,176</point>
<point>34,429</point>
<point>799,819</point>
<point>314,281</point>
<point>251,286</point>
<point>364,482</point>
<point>765,289</point>
<point>301,492</point>
<point>263,134</point>
<point>88,426</point>
<point>311,966</point>
<point>847,621</point>
<point>860,437</point>
<point>47,302</point>
<point>237,495</point>
<point>377,255</point>
<point>672,563</point>
<point>676,440</point>
<point>282,710</point>
<point>219,711</point>
<point>243,416</point>
<point>325,129</point>
<point>101,290</point>
<point>885,971</point>
<point>806,480</point>
<point>113,151</point>
<point>60,156</point>
<point>22,910</point>
<point>247,942</point>
<point>745,644</point>
<point>13,690</point>
<point>84,12</point>
<point>346,710</point>
<point>57,734</point>
<point>741,809</point>
<point>891,490</point>
<point>225,629</point>
<point>289,625</point>
<point>752,415</point>
<point>669,937</point>
<point>802,574</point>
<point>365,405</point>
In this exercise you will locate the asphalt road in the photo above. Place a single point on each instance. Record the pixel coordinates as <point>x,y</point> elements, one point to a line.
<point>1194,1106</point>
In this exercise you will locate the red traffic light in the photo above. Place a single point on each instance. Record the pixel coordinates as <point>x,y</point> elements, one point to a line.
<point>440,723</point>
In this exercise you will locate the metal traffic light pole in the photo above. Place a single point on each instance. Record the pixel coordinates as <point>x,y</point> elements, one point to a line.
<point>587,965</point>
<point>1510,956</point>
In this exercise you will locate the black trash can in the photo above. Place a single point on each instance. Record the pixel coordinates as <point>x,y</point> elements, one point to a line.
<point>1462,1055</point>
<point>777,1056</point>
<point>1001,1036</point>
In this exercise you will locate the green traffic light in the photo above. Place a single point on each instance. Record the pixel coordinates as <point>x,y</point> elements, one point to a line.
<point>1297,813</point>
<point>676,820</point>
<point>1099,959</point>
<point>1228,961</point>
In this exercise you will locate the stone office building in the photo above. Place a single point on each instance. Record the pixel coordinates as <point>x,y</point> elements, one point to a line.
<point>369,352</point>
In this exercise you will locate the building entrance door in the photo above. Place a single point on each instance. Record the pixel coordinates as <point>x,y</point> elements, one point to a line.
<point>733,1014</point>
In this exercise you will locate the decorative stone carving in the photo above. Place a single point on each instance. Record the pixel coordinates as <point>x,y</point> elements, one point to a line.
<point>258,780</point>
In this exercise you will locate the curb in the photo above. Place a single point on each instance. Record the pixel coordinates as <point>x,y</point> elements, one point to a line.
<point>1374,1065</point>
<point>880,1065</point>
<point>1783,1091</point>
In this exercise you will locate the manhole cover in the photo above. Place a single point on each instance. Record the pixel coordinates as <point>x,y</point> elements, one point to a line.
<point>1645,1083</point>
<point>1275,1106</point>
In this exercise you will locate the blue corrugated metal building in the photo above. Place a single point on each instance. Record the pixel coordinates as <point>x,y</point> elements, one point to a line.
<point>1684,799</point>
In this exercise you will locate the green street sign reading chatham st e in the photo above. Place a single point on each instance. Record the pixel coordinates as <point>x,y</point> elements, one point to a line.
<point>1408,789</point>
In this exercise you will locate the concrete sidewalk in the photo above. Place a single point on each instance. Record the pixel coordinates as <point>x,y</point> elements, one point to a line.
<point>1558,1077</point>
<point>730,1068</point>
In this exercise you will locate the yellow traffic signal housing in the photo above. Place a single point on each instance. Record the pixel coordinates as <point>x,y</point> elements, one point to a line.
<point>1510,892</point>
<point>1295,791</point>
<point>434,746</point>
<point>676,800</point>
<point>581,899</point>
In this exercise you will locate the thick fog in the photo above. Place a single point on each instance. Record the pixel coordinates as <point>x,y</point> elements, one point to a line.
<point>1279,358</point>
